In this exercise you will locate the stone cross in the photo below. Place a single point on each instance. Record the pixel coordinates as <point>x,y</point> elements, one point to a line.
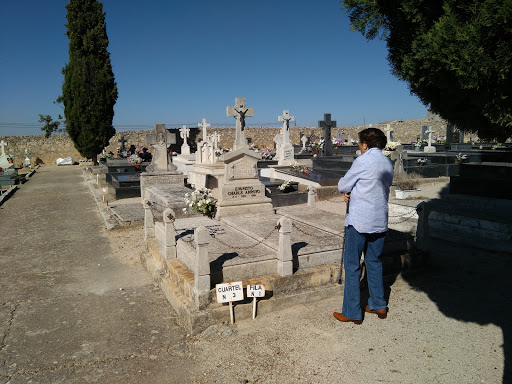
<point>389,133</point>
<point>122,141</point>
<point>160,139</point>
<point>286,118</point>
<point>327,124</point>
<point>184,134</point>
<point>215,140</point>
<point>304,140</point>
<point>429,148</point>
<point>3,144</point>
<point>203,125</point>
<point>240,111</point>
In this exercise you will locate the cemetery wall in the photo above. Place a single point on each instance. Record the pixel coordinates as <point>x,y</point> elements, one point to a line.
<point>48,150</point>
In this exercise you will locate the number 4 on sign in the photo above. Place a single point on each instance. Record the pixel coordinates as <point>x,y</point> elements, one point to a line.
<point>229,292</point>
<point>255,291</point>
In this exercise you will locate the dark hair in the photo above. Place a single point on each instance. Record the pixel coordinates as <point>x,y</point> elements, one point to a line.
<point>373,137</point>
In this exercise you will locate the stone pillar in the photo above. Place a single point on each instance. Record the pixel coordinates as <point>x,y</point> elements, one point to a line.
<point>202,263</point>
<point>449,134</point>
<point>149,222</point>
<point>284,252</point>
<point>170,234</point>
<point>311,196</point>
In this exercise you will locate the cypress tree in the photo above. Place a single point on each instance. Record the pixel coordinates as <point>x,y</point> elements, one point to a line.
<point>89,91</point>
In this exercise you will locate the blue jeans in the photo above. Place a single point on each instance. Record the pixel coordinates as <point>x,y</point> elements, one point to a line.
<point>355,243</point>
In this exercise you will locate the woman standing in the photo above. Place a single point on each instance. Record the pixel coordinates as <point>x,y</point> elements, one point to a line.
<point>366,185</point>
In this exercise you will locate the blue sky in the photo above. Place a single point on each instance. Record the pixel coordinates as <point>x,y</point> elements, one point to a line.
<point>176,62</point>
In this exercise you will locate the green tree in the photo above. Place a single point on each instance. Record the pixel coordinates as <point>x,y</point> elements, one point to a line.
<point>50,125</point>
<point>456,56</point>
<point>89,91</point>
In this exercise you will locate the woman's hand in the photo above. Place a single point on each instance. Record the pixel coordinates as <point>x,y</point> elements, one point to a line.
<point>346,197</point>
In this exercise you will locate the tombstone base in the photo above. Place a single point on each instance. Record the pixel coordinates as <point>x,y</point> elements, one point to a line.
<point>429,149</point>
<point>235,210</point>
<point>159,177</point>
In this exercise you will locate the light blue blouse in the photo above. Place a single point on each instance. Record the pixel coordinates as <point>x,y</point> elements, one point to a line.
<point>368,180</point>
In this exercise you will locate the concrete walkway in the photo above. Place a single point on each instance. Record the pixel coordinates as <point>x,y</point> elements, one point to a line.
<point>70,311</point>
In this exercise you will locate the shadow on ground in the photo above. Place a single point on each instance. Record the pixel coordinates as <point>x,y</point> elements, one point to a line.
<point>470,285</point>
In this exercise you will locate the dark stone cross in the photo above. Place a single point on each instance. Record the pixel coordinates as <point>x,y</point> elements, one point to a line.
<point>327,124</point>
<point>122,141</point>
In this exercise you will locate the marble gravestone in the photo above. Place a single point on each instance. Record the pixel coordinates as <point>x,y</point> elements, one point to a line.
<point>424,134</point>
<point>286,155</point>
<point>327,124</point>
<point>241,191</point>
<point>240,111</point>
<point>4,160</point>
<point>161,170</point>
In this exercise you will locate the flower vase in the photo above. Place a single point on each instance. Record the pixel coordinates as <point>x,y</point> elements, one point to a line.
<point>457,161</point>
<point>417,149</point>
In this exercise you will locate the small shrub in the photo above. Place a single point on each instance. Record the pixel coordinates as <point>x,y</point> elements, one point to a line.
<point>408,181</point>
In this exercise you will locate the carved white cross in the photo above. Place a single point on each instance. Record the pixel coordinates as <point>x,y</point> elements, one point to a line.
<point>184,133</point>
<point>430,132</point>
<point>304,140</point>
<point>3,144</point>
<point>203,125</point>
<point>389,130</point>
<point>240,111</point>
<point>286,118</point>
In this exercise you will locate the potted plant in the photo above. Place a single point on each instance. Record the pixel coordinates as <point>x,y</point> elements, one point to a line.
<point>407,186</point>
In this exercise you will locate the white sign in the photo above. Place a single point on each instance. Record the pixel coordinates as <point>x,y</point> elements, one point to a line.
<point>228,292</point>
<point>255,291</point>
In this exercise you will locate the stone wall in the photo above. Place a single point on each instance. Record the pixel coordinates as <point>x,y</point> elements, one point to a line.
<point>46,151</point>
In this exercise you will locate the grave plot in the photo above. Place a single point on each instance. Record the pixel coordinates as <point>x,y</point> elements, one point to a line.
<point>311,246</point>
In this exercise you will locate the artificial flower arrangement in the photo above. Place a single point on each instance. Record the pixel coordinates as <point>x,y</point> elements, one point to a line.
<point>461,157</point>
<point>296,167</point>
<point>201,200</point>
<point>134,159</point>
<point>418,144</point>
<point>337,143</point>
<point>284,186</point>
<point>265,154</point>
<point>422,161</point>
<point>391,146</point>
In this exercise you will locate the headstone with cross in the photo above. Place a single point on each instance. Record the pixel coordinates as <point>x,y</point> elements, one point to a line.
<point>4,161</point>
<point>203,125</point>
<point>122,151</point>
<point>389,133</point>
<point>429,147</point>
<point>240,111</point>
<point>304,140</point>
<point>327,124</point>
<point>160,140</point>
<point>184,134</point>
<point>286,118</point>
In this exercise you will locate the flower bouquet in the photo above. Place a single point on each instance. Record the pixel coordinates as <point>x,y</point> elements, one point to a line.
<point>201,200</point>
<point>134,160</point>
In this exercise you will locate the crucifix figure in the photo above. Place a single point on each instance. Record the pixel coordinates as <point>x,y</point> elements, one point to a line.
<point>286,118</point>
<point>122,141</point>
<point>203,125</point>
<point>240,111</point>
<point>184,134</point>
<point>327,124</point>
<point>389,132</point>
<point>160,140</point>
